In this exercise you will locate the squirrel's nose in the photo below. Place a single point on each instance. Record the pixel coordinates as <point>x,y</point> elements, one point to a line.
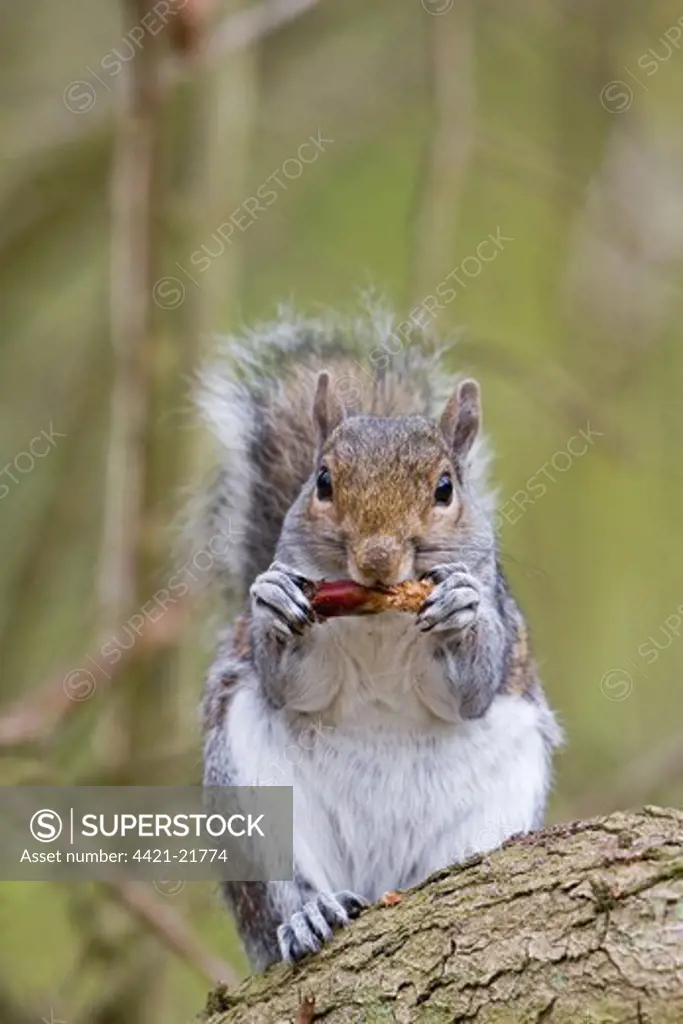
<point>378,560</point>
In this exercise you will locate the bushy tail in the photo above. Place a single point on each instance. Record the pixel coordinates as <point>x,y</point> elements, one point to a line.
<point>257,398</point>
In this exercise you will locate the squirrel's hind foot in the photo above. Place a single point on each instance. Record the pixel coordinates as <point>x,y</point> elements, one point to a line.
<point>309,928</point>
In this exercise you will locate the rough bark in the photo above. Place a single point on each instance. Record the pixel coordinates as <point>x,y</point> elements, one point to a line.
<point>581,923</point>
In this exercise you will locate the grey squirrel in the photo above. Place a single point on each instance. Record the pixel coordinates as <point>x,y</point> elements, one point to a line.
<point>411,741</point>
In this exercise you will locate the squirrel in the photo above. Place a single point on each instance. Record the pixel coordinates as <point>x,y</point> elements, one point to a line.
<point>411,741</point>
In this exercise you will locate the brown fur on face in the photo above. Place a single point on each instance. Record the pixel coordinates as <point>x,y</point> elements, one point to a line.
<point>384,474</point>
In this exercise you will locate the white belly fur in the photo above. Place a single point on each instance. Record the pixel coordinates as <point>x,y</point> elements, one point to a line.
<point>369,671</point>
<point>385,793</point>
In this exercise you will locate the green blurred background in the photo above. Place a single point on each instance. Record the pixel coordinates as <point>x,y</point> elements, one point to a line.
<point>555,124</point>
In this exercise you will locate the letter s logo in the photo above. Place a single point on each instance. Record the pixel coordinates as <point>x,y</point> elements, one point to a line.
<point>46,826</point>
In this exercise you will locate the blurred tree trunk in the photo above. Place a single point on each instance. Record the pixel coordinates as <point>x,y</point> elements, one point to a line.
<point>145,459</point>
<point>578,922</point>
<point>448,149</point>
<point>155,346</point>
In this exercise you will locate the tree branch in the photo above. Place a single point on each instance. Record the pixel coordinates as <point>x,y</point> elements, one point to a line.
<point>249,26</point>
<point>580,921</point>
<point>33,719</point>
<point>169,927</point>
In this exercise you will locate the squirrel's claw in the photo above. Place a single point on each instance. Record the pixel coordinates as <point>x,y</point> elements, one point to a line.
<point>309,928</point>
<point>453,605</point>
<point>277,593</point>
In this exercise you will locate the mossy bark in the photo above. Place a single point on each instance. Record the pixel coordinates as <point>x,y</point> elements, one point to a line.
<point>578,924</point>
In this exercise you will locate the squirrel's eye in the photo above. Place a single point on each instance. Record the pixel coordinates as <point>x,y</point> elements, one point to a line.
<point>443,494</point>
<point>324,484</point>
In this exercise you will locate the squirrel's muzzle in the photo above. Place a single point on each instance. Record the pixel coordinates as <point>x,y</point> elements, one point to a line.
<point>378,560</point>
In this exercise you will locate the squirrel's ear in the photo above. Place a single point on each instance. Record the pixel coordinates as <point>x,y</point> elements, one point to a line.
<point>327,413</point>
<point>461,417</point>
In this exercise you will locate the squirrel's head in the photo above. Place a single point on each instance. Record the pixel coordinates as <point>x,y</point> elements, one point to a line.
<point>388,491</point>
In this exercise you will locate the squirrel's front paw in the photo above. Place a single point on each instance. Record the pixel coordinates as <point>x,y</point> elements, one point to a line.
<point>279,603</point>
<point>453,605</point>
<point>308,928</point>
